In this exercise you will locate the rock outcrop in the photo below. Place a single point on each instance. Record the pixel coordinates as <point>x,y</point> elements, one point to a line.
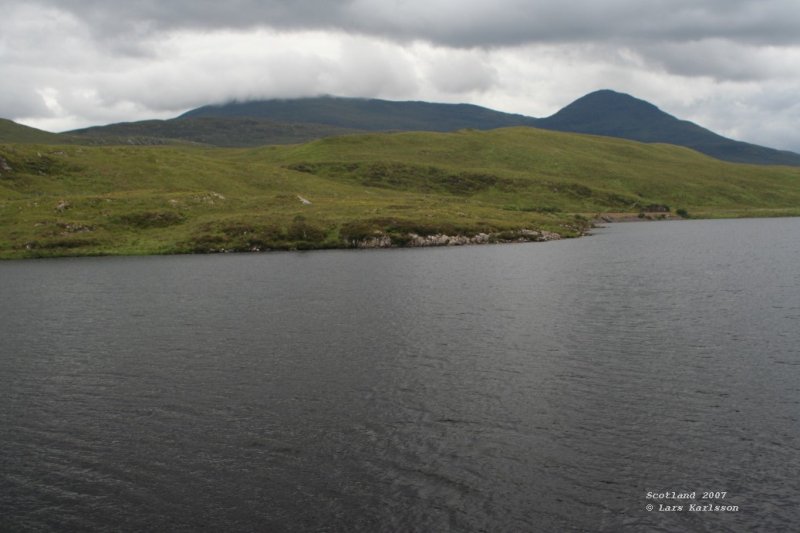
<point>413,240</point>
<point>4,166</point>
<point>379,241</point>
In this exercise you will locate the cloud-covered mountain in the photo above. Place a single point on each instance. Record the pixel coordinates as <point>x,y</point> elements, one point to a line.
<point>281,121</point>
<point>604,112</point>
<point>368,114</point>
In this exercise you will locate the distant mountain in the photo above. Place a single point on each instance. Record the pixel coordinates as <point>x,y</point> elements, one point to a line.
<point>604,112</point>
<point>368,114</point>
<point>299,120</point>
<point>614,114</point>
<point>216,131</point>
<point>607,113</point>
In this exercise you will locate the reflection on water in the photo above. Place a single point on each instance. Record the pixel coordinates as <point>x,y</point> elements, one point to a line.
<point>497,388</point>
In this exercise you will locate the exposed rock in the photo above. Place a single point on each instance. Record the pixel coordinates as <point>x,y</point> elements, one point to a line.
<point>73,228</point>
<point>631,217</point>
<point>446,240</point>
<point>481,238</point>
<point>414,240</point>
<point>379,241</point>
<point>303,200</point>
<point>4,166</point>
<point>549,236</point>
<point>207,198</point>
<point>656,208</point>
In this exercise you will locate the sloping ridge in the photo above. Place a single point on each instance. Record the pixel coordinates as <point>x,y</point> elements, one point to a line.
<point>12,132</point>
<point>614,114</point>
<point>368,114</point>
<point>215,131</point>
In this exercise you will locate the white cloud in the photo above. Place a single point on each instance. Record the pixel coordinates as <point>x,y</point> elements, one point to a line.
<point>457,71</point>
<point>728,65</point>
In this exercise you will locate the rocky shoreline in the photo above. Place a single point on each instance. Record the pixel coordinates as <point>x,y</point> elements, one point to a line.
<point>413,240</point>
<point>634,217</point>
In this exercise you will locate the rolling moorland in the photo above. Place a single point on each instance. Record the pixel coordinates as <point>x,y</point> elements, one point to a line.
<point>363,190</point>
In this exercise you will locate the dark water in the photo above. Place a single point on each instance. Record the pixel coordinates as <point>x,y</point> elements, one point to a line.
<point>540,387</point>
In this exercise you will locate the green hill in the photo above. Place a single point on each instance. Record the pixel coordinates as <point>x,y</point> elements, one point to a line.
<point>500,185</point>
<point>11,132</point>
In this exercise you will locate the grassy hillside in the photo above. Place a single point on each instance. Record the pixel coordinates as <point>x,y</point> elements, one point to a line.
<point>12,132</point>
<point>77,200</point>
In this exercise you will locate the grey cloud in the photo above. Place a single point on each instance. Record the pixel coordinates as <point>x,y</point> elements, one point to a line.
<point>717,38</point>
<point>717,59</point>
<point>458,73</point>
<point>460,24</point>
<point>112,19</point>
<point>766,117</point>
<point>727,64</point>
<point>20,101</point>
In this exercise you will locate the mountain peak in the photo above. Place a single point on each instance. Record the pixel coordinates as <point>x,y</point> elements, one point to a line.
<point>610,95</point>
<point>613,114</point>
<point>596,111</point>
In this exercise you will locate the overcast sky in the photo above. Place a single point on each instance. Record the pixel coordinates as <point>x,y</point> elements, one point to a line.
<point>730,65</point>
